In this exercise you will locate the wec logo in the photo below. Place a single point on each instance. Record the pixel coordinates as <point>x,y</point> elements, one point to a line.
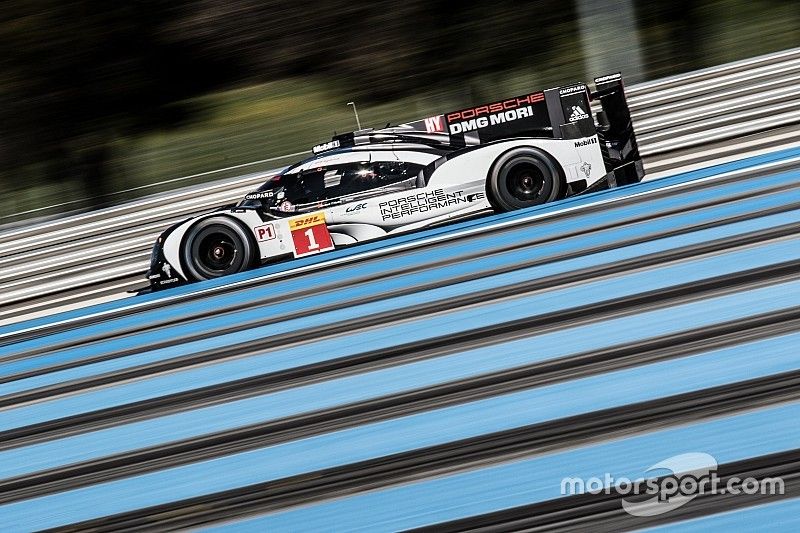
<point>355,208</point>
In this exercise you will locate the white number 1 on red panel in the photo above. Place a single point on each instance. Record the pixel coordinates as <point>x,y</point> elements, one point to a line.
<point>312,242</point>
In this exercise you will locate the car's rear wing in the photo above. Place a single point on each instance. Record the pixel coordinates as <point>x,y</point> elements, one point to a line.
<point>615,130</point>
<point>560,112</point>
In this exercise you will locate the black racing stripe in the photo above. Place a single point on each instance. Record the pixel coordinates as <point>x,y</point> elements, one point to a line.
<point>345,416</point>
<point>459,456</point>
<point>565,215</point>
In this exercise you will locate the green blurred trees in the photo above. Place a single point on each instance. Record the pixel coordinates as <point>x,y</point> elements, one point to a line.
<point>75,76</point>
<point>380,49</point>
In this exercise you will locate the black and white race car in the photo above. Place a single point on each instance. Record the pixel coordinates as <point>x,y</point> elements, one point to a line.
<point>364,185</point>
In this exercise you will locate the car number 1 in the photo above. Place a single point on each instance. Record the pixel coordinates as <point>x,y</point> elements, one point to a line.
<point>310,234</point>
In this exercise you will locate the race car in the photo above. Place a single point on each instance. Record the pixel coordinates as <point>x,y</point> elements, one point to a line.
<point>364,185</point>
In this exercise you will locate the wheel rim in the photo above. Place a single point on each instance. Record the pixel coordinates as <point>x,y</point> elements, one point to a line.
<point>525,182</point>
<point>217,252</point>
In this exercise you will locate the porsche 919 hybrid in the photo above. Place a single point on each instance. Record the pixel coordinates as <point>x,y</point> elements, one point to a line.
<point>364,185</point>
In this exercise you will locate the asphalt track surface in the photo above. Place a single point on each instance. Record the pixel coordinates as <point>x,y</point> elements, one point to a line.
<point>447,379</point>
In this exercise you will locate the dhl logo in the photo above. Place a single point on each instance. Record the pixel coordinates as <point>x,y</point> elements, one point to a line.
<point>306,221</point>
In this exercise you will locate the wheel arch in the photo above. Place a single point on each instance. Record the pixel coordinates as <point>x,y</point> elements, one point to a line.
<point>246,233</point>
<point>503,157</point>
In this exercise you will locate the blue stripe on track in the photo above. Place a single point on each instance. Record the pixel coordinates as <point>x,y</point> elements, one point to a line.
<point>535,480</point>
<point>703,370</point>
<point>427,502</point>
<point>433,500</point>
<point>456,249</point>
<point>451,250</point>
<point>597,260</point>
<point>560,343</point>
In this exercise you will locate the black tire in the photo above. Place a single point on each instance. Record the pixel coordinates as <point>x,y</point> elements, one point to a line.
<point>216,247</point>
<point>524,177</point>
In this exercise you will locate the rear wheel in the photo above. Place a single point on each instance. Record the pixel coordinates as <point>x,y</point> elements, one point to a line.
<point>216,247</point>
<point>524,177</point>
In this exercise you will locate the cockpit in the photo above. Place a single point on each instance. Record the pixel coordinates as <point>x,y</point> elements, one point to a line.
<point>330,181</point>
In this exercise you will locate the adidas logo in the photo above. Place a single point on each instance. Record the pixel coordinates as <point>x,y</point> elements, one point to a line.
<point>577,114</point>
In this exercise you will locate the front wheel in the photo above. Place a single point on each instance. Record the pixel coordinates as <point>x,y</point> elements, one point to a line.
<point>216,247</point>
<point>524,177</point>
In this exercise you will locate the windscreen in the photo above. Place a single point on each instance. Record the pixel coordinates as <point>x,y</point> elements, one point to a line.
<point>316,188</point>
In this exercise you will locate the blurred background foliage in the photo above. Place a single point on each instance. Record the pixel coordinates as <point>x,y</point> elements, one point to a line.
<point>97,97</point>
